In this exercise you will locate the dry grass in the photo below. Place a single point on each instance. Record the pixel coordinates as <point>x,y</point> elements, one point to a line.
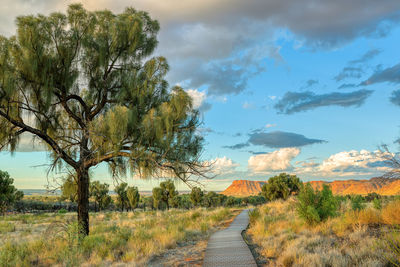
<point>354,238</point>
<point>124,238</point>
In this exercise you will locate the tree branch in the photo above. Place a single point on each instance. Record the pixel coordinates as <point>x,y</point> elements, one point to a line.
<point>43,136</point>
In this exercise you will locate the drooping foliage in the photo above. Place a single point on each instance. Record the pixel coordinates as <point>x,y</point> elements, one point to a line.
<point>69,189</point>
<point>168,192</point>
<point>133,197</point>
<point>85,85</point>
<point>157,197</point>
<point>8,193</point>
<point>99,192</point>
<point>122,196</point>
<point>196,196</point>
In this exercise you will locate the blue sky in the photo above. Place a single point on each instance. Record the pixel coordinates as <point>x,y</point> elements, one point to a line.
<point>306,87</point>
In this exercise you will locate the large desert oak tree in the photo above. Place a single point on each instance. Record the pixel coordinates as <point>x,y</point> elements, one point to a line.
<point>85,85</point>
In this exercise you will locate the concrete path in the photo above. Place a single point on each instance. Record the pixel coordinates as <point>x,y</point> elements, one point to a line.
<point>227,247</point>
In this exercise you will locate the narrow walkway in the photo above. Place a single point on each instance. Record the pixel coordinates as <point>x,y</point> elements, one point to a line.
<point>227,247</point>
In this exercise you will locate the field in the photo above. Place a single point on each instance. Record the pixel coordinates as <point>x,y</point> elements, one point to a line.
<point>122,238</point>
<point>354,237</point>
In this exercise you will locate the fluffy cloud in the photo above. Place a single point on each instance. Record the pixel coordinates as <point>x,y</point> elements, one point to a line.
<point>293,102</point>
<point>224,165</point>
<point>354,162</point>
<point>279,160</point>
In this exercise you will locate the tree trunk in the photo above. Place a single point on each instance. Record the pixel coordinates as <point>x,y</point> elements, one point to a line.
<point>83,201</point>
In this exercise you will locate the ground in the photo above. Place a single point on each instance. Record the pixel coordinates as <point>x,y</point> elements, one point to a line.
<point>117,238</point>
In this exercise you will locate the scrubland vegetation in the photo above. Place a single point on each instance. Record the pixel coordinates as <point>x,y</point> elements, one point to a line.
<point>130,238</point>
<point>319,229</point>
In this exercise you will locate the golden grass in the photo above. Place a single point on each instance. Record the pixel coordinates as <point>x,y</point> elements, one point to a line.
<point>130,238</point>
<point>350,239</point>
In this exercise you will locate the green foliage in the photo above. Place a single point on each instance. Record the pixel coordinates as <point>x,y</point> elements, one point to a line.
<point>281,186</point>
<point>254,214</point>
<point>377,203</point>
<point>256,200</point>
<point>62,211</point>
<point>157,197</point>
<point>133,197</point>
<point>168,192</point>
<point>315,206</point>
<point>6,227</point>
<point>357,202</point>
<point>94,94</point>
<point>212,199</point>
<point>230,201</point>
<point>372,196</point>
<point>69,189</point>
<point>196,196</point>
<point>122,196</point>
<point>99,192</point>
<point>8,193</point>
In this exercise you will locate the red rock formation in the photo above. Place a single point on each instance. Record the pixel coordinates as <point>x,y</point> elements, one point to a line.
<point>382,186</point>
<point>244,188</point>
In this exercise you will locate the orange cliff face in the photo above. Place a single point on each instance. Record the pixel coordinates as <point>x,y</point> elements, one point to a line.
<point>382,186</point>
<point>244,188</point>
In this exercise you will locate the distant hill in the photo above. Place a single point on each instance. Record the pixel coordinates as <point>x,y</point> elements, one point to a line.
<point>382,186</point>
<point>244,188</point>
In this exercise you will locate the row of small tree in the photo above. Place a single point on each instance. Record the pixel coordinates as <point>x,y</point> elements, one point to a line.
<point>165,196</point>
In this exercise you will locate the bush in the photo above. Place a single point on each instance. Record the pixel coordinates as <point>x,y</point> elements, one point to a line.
<point>377,203</point>
<point>254,215</point>
<point>315,206</point>
<point>357,203</point>
<point>62,211</point>
<point>281,186</point>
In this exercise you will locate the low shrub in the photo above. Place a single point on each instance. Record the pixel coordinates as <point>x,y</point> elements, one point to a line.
<point>357,202</point>
<point>316,206</point>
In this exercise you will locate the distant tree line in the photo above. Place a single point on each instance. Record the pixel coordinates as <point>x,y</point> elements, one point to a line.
<point>127,198</point>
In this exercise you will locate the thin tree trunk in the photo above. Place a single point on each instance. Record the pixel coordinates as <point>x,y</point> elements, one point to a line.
<point>83,201</point>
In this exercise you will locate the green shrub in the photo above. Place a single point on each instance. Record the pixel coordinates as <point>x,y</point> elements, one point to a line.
<point>315,206</point>
<point>6,227</point>
<point>377,203</point>
<point>254,215</point>
<point>62,211</point>
<point>357,203</point>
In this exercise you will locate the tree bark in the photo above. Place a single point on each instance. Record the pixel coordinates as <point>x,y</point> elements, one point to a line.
<point>83,201</point>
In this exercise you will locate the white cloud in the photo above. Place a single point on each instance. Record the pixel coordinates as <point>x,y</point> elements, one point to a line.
<point>354,162</point>
<point>224,165</point>
<point>197,96</point>
<point>279,160</point>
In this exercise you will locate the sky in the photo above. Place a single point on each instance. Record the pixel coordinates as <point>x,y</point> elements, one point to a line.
<point>305,87</point>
